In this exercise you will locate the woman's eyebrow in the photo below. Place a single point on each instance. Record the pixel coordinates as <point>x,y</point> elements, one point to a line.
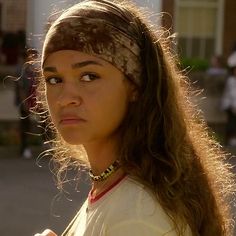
<point>50,69</point>
<point>74,66</point>
<point>85,63</point>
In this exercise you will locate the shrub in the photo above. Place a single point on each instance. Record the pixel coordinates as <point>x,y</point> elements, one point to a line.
<point>194,64</point>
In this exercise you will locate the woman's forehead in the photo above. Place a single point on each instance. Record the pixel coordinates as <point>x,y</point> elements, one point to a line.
<point>72,59</point>
<point>72,56</point>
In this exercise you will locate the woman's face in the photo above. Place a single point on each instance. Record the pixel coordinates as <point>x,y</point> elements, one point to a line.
<point>87,96</point>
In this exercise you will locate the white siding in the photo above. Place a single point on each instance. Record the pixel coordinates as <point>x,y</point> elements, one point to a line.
<point>39,11</point>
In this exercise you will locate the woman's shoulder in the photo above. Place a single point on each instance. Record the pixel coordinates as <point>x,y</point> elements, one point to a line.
<point>134,206</point>
<point>140,198</point>
<point>134,191</point>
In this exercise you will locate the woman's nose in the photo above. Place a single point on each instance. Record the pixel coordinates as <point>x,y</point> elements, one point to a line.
<point>69,95</point>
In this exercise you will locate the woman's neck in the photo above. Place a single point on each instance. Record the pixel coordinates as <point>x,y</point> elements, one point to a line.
<point>100,186</point>
<point>101,155</point>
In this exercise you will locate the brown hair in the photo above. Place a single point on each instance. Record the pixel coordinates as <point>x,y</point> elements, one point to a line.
<point>166,144</point>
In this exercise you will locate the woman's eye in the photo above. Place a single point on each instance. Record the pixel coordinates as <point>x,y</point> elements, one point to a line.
<point>53,80</point>
<point>88,77</point>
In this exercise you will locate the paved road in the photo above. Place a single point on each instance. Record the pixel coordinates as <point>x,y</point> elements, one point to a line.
<point>30,201</point>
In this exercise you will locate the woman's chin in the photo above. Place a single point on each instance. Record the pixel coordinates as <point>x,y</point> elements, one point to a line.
<point>72,140</point>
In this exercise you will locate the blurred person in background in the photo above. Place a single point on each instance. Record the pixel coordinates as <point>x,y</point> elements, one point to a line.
<point>10,48</point>
<point>25,98</point>
<point>229,100</point>
<point>216,67</point>
<point>2,56</point>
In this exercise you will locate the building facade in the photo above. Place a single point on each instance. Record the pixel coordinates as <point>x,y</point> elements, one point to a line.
<point>203,27</point>
<point>13,15</point>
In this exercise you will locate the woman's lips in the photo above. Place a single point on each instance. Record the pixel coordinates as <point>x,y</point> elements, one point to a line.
<point>71,120</point>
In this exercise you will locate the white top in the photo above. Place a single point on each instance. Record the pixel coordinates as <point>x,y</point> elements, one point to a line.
<point>229,96</point>
<point>127,209</point>
<point>232,60</point>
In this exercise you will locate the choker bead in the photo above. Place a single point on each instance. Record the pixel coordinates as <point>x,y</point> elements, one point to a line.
<point>106,173</point>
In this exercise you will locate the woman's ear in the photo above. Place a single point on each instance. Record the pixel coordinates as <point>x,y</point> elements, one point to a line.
<point>133,93</point>
<point>134,97</point>
<point>132,90</point>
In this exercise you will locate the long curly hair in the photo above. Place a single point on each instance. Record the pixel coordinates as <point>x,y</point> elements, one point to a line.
<point>165,143</point>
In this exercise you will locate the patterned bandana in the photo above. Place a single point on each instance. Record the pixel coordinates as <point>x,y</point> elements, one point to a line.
<point>97,37</point>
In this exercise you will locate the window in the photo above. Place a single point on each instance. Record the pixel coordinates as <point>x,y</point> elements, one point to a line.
<point>199,27</point>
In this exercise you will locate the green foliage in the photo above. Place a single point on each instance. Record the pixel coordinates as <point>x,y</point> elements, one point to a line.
<point>194,64</point>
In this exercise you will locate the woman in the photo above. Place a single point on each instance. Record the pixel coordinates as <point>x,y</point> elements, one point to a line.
<point>119,105</point>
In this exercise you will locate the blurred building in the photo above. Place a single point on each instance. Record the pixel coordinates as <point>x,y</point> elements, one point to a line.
<point>204,27</point>
<point>13,15</point>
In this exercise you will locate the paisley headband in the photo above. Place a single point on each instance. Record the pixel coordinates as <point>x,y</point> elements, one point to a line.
<point>96,37</point>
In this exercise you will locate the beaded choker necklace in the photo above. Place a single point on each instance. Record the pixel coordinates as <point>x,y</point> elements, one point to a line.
<point>106,173</point>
